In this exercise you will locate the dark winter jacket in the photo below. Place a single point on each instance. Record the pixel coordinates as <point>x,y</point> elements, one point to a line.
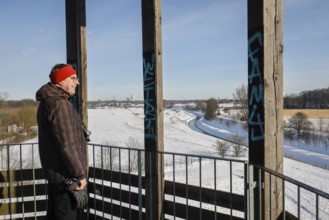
<point>62,144</point>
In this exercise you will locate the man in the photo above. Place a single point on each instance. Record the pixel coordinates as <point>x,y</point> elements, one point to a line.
<point>62,144</point>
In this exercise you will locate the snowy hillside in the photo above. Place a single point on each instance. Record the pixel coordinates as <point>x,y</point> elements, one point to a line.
<point>115,125</point>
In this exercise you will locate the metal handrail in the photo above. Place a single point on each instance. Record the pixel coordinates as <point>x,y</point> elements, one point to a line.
<point>295,182</point>
<point>179,163</point>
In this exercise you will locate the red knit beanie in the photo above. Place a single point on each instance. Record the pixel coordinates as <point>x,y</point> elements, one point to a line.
<point>62,74</point>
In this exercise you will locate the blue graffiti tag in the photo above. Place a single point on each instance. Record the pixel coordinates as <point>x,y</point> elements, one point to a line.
<point>148,69</point>
<point>149,101</point>
<point>256,94</point>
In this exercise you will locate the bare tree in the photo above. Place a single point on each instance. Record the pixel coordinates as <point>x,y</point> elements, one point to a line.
<point>238,148</point>
<point>326,130</point>
<point>133,142</point>
<point>300,123</point>
<point>320,130</point>
<point>240,97</point>
<point>31,159</point>
<point>3,98</point>
<point>108,155</point>
<point>321,125</point>
<point>288,134</point>
<point>221,147</point>
<point>200,105</point>
<point>307,132</point>
<point>3,133</point>
<point>8,156</point>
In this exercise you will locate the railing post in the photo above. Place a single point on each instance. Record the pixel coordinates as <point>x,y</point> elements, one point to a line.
<point>250,186</point>
<point>140,186</point>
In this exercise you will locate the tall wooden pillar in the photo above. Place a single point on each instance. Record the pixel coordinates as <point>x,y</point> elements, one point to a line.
<point>153,107</point>
<point>265,99</point>
<point>77,51</point>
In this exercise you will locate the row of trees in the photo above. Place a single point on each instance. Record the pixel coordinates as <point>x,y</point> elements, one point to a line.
<point>314,99</point>
<point>5,103</point>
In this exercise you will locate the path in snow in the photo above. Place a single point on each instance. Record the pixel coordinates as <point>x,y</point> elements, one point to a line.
<point>302,155</point>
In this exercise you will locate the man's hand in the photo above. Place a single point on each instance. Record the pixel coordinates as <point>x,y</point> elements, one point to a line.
<point>82,185</point>
<point>78,190</point>
<point>81,198</point>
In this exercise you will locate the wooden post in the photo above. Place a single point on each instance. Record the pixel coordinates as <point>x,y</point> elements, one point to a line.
<point>265,99</point>
<point>153,107</point>
<point>77,51</point>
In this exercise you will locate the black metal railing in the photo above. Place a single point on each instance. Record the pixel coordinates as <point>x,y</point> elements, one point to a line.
<point>300,201</point>
<point>195,186</point>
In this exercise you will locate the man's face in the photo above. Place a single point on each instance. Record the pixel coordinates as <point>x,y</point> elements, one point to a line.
<point>69,84</point>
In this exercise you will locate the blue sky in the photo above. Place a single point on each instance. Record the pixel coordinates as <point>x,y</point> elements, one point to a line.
<point>204,47</point>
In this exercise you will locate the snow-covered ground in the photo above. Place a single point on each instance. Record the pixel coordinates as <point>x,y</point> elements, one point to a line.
<point>114,126</point>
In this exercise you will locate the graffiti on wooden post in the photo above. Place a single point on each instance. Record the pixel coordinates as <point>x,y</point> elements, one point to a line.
<point>256,87</point>
<point>149,95</point>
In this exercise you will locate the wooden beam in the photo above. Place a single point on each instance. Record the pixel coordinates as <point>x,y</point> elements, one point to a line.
<point>265,99</point>
<point>77,51</point>
<point>153,107</point>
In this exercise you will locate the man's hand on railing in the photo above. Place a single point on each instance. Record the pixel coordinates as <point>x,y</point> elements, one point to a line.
<point>78,190</point>
<point>82,184</point>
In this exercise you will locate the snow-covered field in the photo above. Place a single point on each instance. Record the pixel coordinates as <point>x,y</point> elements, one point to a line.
<point>116,125</point>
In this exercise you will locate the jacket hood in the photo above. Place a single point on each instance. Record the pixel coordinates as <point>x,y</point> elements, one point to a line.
<point>50,90</point>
